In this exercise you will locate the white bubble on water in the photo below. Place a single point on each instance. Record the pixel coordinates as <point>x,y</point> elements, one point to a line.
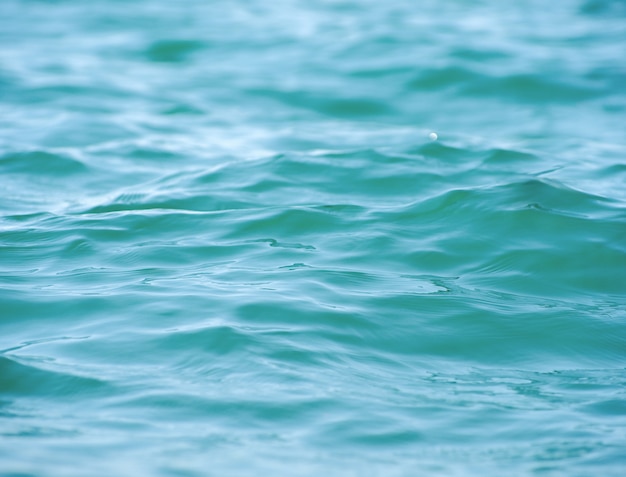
<point>433,136</point>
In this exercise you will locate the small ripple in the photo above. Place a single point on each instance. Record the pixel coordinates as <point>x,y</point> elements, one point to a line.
<point>326,104</point>
<point>173,51</point>
<point>26,378</point>
<point>41,162</point>
<point>533,88</point>
<point>434,79</point>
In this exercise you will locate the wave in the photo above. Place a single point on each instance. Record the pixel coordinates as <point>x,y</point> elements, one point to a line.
<point>311,238</point>
<point>41,162</point>
<point>28,379</point>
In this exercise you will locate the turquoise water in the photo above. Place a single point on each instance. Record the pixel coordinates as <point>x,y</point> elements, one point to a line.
<point>295,238</point>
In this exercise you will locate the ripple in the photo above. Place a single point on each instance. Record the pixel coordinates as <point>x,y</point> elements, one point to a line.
<point>21,378</point>
<point>345,238</point>
<point>42,162</point>
<point>531,88</point>
<point>173,51</point>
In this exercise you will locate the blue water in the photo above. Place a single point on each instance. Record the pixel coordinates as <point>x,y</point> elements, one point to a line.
<point>330,238</point>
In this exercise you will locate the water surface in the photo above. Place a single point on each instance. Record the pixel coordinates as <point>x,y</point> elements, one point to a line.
<point>301,238</point>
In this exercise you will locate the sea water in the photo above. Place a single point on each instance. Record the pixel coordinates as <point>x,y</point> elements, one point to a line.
<point>335,237</point>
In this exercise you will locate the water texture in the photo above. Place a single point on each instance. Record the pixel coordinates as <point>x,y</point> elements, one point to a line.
<point>342,238</point>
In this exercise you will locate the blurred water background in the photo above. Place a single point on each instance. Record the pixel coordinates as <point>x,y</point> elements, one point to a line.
<point>336,237</point>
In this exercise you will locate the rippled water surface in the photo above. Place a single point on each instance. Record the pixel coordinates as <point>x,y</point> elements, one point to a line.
<point>336,237</point>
